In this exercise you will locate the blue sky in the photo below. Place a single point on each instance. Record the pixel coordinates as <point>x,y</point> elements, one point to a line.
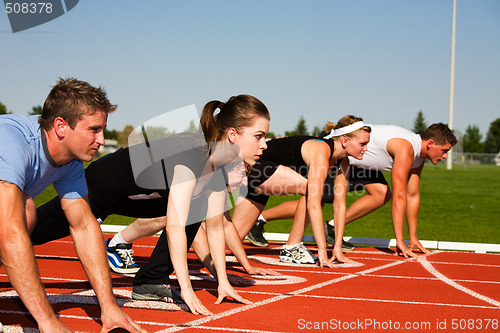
<point>383,60</point>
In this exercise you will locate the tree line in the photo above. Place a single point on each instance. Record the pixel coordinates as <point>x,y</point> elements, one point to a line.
<point>471,141</point>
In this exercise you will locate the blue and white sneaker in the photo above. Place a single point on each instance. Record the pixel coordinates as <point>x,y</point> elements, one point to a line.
<point>120,258</point>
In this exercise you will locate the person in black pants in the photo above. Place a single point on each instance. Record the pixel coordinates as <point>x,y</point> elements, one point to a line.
<point>184,178</point>
<point>300,165</point>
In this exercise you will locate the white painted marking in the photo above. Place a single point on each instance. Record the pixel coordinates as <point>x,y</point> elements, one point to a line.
<point>277,262</point>
<point>400,302</point>
<point>30,329</point>
<point>207,319</point>
<point>431,269</point>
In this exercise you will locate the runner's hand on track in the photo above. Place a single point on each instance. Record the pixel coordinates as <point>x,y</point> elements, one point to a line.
<point>261,271</point>
<point>114,317</point>
<point>226,290</point>
<point>415,244</point>
<point>323,260</point>
<point>193,302</point>
<point>339,255</point>
<point>402,248</point>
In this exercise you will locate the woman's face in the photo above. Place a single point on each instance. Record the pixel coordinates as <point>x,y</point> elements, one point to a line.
<point>357,145</point>
<point>252,140</point>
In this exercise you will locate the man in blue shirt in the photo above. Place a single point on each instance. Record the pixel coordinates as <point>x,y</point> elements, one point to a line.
<point>36,152</point>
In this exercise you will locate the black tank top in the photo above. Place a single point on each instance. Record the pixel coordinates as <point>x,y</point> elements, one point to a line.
<point>287,152</point>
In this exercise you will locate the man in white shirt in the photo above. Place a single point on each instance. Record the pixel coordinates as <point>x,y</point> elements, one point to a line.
<point>391,148</point>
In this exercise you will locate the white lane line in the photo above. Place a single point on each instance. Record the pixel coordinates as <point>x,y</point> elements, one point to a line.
<point>207,319</point>
<point>431,278</point>
<point>465,264</point>
<point>431,269</point>
<point>401,302</point>
<point>242,330</point>
<point>9,328</point>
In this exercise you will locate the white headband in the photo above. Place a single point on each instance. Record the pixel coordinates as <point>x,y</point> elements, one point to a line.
<point>346,129</point>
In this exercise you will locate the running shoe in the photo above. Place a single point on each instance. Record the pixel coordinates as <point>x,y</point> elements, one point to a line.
<point>330,238</point>
<point>306,253</point>
<point>156,292</point>
<point>298,254</point>
<point>256,234</point>
<point>120,258</point>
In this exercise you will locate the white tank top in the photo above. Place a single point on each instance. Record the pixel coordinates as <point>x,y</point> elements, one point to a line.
<point>377,157</point>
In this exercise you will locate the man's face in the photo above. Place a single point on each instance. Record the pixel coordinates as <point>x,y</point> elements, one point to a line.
<point>437,153</point>
<point>85,139</point>
<point>237,177</point>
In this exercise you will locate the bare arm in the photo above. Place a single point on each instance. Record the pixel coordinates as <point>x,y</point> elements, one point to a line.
<point>89,245</point>
<point>200,247</point>
<point>233,242</point>
<point>18,258</point>
<point>179,200</point>
<point>402,152</point>
<point>413,207</point>
<point>316,154</point>
<point>235,245</point>
<point>216,242</point>
<point>339,209</point>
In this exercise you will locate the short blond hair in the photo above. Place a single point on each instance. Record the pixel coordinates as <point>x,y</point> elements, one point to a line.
<point>346,121</point>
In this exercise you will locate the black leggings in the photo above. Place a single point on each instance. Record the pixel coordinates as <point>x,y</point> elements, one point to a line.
<point>159,267</point>
<point>52,224</point>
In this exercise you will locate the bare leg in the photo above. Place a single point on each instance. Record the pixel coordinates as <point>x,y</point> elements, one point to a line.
<point>142,228</point>
<point>283,211</point>
<point>284,181</point>
<point>377,196</point>
<point>245,214</point>
<point>299,223</point>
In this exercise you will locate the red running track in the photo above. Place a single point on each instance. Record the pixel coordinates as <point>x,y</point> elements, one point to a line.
<point>440,292</point>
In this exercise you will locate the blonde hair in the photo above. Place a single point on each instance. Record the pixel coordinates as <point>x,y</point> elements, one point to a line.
<point>346,121</point>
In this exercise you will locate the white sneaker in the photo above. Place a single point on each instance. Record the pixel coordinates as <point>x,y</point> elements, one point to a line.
<point>308,254</point>
<point>298,254</point>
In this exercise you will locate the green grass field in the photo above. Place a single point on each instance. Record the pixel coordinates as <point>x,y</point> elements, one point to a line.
<point>460,205</point>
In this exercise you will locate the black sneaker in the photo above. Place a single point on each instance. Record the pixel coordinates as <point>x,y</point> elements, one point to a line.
<point>256,234</point>
<point>120,258</point>
<point>156,292</point>
<point>330,238</point>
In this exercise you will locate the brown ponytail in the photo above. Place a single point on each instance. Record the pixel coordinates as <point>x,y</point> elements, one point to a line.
<point>238,112</point>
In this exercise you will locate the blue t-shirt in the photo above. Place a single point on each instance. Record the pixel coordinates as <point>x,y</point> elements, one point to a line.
<point>26,162</point>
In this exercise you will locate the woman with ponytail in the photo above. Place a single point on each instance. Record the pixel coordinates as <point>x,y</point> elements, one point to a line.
<point>173,184</point>
<point>300,165</point>
<point>235,128</point>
